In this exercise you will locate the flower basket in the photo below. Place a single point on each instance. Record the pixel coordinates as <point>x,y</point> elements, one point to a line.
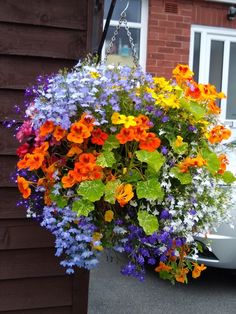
<point>111,157</point>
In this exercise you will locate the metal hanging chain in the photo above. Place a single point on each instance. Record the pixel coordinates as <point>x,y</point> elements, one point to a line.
<point>124,21</point>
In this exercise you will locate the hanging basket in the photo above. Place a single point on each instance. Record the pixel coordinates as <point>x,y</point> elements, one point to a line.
<point>111,157</point>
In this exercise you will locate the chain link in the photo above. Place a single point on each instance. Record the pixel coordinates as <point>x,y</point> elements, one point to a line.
<point>124,21</point>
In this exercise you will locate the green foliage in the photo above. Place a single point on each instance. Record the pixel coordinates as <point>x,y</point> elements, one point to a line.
<point>184,178</point>
<point>111,143</point>
<point>59,200</point>
<point>154,159</point>
<point>228,177</point>
<point>91,190</point>
<point>106,159</point>
<point>110,190</point>
<point>148,222</point>
<point>150,189</point>
<point>82,207</point>
<point>213,163</point>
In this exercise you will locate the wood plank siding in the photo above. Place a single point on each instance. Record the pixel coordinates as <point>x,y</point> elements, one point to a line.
<point>36,37</point>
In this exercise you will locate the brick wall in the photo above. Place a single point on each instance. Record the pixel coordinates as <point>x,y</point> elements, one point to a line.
<point>169,30</point>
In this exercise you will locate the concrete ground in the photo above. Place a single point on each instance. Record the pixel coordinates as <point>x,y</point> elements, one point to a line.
<point>112,293</point>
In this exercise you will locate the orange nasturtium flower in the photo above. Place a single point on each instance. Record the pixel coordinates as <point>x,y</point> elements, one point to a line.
<point>218,134</point>
<point>109,215</point>
<point>46,128</point>
<point>87,120</point>
<point>69,180</point>
<point>42,149</point>
<point>213,108</point>
<point>150,142</point>
<point>182,72</point>
<point>191,162</point>
<point>59,133</point>
<point>99,137</point>
<point>181,276</point>
<point>125,135</point>
<point>223,163</point>
<point>31,161</point>
<point>78,132</point>
<point>163,267</point>
<point>197,270</point>
<point>74,150</point>
<point>124,194</point>
<point>143,121</point>
<point>23,186</point>
<point>193,91</point>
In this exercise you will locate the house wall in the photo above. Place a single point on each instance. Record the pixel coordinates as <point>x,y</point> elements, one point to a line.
<point>36,37</point>
<point>169,30</point>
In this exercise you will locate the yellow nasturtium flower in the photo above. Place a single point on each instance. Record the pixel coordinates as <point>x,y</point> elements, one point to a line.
<point>109,215</point>
<point>179,141</point>
<point>122,119</point>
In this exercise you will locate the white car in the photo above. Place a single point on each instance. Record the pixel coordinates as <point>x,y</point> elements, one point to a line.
<point>222,252</point>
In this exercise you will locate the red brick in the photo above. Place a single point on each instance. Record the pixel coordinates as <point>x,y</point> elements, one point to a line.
<point>165,50</point>
<point>167,24</point>
<point>176,18</point>
<point>182,25</point>
<point>174,44</point>
<point>182,38</point>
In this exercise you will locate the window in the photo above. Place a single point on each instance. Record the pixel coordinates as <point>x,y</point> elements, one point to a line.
<point>137,17</point>
<point>213,59</point>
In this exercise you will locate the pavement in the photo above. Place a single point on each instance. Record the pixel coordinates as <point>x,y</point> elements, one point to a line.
<point>112,293</point>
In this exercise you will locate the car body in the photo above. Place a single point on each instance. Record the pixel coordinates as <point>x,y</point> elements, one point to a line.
<point>222,250</point>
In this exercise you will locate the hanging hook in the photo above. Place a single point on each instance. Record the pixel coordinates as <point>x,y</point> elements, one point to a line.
<point>125,9</point>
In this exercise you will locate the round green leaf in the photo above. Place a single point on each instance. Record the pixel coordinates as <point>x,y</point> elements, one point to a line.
<point>154,159</point>
<point>150,189</point>
<point>82,207</point>
<point>91,190</point>
<point>106,159</point>
<point>148,222</point>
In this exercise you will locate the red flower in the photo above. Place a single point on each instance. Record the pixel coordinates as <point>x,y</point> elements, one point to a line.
<point>23,150</point>
<point>99,137</point>
<point>150,142</point>
<point>125,135</point>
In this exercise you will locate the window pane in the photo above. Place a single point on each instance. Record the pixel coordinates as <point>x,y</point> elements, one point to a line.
<point>133,13</point>
<point>121,52</point>
<point>196,55</point>
<point>231,95</point>
<point>216,63</point>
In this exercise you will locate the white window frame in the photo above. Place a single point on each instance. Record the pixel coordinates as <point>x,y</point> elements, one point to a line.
<point>218,33</point>
<point>222,1</point>
<point>143,26</point>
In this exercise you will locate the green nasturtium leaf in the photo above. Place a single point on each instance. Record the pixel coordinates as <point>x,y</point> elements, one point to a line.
<point>179,149</point>
<point>213,163</point>
<point>154,159</point>
<point>197,110</point>
<point>133,175</point>
<point>148,222</point>
<point>59,200</point>
<point>106,159</point>
<point>184,178</point>
<point>110,190</point>
<point>111,143</point>
<point>150,189</point>
<point>91,190</point>
<point>228,177</point>
<point>82,207</point>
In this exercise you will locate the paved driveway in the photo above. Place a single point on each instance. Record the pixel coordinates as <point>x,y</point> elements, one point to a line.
<point>112,293</point>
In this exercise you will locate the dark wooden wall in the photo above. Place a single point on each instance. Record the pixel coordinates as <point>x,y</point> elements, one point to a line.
<point>36,37</point>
